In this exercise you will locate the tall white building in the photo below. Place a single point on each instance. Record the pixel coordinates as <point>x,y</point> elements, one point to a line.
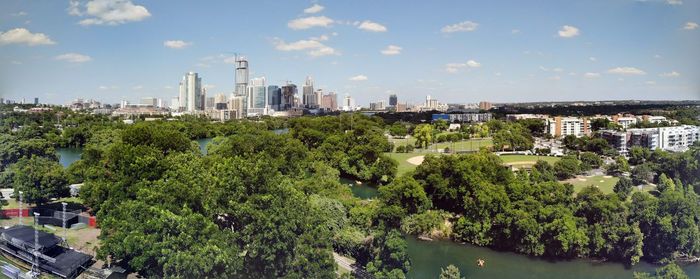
<point>241,75</point>
<point>308,95</point>
<point>564,126</point>
<point>191,97</point>
<point>256,98</point>
<point>348,103</point>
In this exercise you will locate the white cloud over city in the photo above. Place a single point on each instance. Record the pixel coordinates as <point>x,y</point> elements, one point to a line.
<point>464,26</point>
<point>25,37</point>
<point>107,12</point>
<point>73,58</point>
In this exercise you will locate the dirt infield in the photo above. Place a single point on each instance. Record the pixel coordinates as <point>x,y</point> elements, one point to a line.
<point>415,160</point>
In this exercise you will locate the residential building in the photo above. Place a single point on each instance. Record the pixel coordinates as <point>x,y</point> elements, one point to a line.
<point>236,106</point>
<point>563,126</point>
<point>209,103</point>
<point>674,138</point>
<point>308,95</point>
<point>191,94</point>
<point>289,93</point>
<point>150,101</point>
<point>624,121</point>
<point>483,105</point>
<point>393,100</point>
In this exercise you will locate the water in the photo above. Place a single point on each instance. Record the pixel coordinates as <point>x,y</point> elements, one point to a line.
<point>365,190</point>
<point>68,155</point>
<point>203,144</point>
<point>428,257</point>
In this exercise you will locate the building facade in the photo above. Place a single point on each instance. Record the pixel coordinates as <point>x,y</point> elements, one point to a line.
<point>564,126</point>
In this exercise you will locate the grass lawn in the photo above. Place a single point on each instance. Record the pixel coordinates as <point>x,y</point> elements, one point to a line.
<point>605,184</point>
<point>528,158</point>
<point>401,158</point>
<point>465,145</point>
<point>406,141</point>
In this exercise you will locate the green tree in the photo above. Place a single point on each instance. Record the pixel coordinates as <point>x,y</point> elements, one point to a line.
<point>590,160</point>
<point>618,167</point>
<point>450,272</point>
<point>406,193</point>
<point>638,155</point>
<point>567,167</point>
<point>39,178</point>
<point>623,188</point>
<point>424,135</point>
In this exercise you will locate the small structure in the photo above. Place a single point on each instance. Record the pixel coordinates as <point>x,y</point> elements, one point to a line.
<point>19,242</point>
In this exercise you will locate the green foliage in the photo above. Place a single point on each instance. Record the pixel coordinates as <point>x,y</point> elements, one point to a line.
<point>638,155</point>
<point>618,167</point>
<point>406,193</point>
<point>567,167</point>
<point>450,272</point>
<point>423,223</point>
<point>623,188</point>
<point>424,135</point>
<point>511,136</point>
<point>669,271</point>
<point>590,160</point>
<point>39,178</point>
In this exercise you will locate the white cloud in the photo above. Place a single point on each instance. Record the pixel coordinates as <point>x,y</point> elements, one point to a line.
<point>591,75</point>
<point>514,31</point>
<point>102,87</point>
<point>674,2</point>
<point>21,13</point>
<point>137,87</point>
<point>464,26</point>
<point>650,82</point>
<point>358,78</point>
<point>24,36</point>
<point>558,70</point>
<point>392,50</point>
<point>593,59</point>
<point>177,44</point>
<point>73,58</point>
<point>627,71</point>
<point>454,67</point>
<point>309,22</point>
<point>670,74</point>
<point>473,64</point>
<point>313,9</point>
<point>312,46</point>
<point>108,12</point>
<point>555,78</point>
<point>209,86</point>
<point>372,26</point>
<point>568,31</point>
<point>691,26</point>
<point>15,62</point>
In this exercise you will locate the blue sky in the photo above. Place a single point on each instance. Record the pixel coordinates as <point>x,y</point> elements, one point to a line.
<point>456,51</point>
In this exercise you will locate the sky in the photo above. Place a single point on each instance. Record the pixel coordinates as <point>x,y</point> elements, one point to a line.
<point>455,51</point>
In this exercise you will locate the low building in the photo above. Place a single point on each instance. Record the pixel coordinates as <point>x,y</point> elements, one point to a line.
<point>674,138</point>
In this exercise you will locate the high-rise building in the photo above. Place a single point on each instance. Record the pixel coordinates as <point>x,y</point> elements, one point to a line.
<point>191,95</point>
<point>289,93</point>
<point>175,104</point>
<point>329,102</point>
<point>36,101</point>
<point>220,102</point>
<point>210,103</point>
<point>241,75</point>
<point>348,103</point>
<point>236,105</point>
<point>257,97</point>
<point>274,97</point>
<point>317,98</point>
<point>393,100</point>
<point>308,94</point>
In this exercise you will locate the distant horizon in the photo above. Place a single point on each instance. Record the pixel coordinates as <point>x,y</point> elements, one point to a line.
<point>458,52</point>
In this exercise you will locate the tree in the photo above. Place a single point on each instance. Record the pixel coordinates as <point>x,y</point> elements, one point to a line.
<point>669,271</point>
<point>590,160</point>
<point>406,193</point>
<point>39,178</point>
<point>618,167</point>
<point>450,272</point>
<point>665,183</point>
<point>638,155</point>
<point>424,135</point>
<point>642,174</point>
<point>567,167</point>
<point>623,188</point>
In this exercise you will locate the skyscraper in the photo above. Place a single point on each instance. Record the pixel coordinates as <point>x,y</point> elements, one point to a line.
<point>289,93</point>
<point>36,101</point>
<point>274,97</point>
<point>241,75</point>
<point>393,100</point>
<point>191,98</point>
<point>329,102</point>
<point>257,97</point>
<point>308,94</point>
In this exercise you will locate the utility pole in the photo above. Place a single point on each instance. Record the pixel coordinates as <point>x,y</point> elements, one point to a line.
<point>20,207</point>
<point>35,263</point>
<point>65,238</point>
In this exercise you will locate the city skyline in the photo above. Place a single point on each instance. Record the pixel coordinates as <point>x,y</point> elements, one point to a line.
<point>464,53</point>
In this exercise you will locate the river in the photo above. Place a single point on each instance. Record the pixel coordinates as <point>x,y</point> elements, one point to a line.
<point>427,257</point>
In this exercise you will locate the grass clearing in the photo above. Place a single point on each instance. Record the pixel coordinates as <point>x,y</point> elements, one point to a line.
<point>526,159</point>
<point>464,145</point>
<point>401,158</point>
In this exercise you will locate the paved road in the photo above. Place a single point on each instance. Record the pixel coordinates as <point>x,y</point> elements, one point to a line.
<point>346,263</point>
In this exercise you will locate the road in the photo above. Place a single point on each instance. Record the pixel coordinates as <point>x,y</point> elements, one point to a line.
<point>348,264</point>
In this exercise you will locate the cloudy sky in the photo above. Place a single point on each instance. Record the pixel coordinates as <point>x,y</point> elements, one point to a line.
<point>456,51</point>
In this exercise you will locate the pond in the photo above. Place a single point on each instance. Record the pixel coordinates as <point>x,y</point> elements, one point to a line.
<point>365,190</point>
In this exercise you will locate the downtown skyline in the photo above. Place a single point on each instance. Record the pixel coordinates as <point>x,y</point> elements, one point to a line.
<point>458,52</point>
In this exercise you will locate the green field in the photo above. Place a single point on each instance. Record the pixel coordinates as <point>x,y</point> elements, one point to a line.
<point>406,141</point>
<point>465,145</point>
<point>401,158</point>
<point>527,158</point>
<point>605,184</point>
